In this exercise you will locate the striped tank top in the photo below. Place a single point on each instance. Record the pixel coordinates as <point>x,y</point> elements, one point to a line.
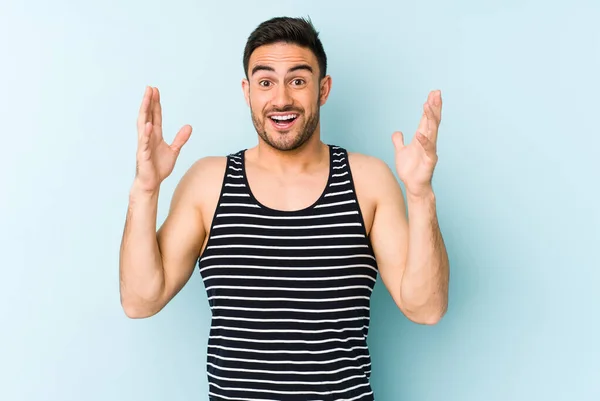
<point>289,293</point>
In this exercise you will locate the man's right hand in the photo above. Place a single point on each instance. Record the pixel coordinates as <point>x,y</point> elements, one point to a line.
<point>155,158</point>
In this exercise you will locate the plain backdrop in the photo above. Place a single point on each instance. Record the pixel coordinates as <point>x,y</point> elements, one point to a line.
<point>517,185</point>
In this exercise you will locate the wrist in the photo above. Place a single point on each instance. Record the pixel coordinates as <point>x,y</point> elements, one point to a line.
<point>423,195</point>
<point>421,206</point>
<point>138,192</point>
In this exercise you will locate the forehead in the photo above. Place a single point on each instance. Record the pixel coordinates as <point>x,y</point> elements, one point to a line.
<point>282,56</point>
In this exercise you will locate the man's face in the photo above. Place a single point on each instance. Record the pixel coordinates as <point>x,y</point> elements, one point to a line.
<point>285,94</point>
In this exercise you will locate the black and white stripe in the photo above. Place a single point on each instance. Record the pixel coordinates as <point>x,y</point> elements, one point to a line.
<point>290,294</point>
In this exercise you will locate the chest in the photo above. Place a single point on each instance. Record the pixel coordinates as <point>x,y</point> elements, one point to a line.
<point>294,192</point>
<point>265,242</point>
<point>300,191</point>
<point>288,192</point>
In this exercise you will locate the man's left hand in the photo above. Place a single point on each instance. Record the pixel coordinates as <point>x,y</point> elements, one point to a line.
<point>416,161</point>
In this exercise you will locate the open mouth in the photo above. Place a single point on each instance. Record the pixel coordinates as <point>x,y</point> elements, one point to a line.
<point>284,121</point>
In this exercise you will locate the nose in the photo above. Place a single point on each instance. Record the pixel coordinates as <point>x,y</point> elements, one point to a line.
<point>281,97</point>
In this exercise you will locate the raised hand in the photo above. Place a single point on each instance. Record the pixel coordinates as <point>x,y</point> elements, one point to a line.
<point>155,158</point>
<point>416,161</point>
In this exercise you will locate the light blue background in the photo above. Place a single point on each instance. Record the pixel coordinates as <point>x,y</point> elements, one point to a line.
<point>517,186</point>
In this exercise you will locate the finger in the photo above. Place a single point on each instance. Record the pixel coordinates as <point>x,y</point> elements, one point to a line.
<point>156,108</point>
<point>144,138</point>
<point>143,152</point>
<point>422,124</point>
<point>144,147</point>
<point>181,138</point>
<point>432,122</point>
<point>427,144</point>
<point>398,140</point>
<point>435,100</point>
<point>144,110</point>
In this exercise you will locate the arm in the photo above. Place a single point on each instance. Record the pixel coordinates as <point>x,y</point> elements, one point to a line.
<point>412,259</point>
<point>154,266</point>
<point>424,290</point>
<point>410,251</point>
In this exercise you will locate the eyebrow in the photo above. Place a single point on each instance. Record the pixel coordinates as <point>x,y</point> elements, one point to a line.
<point>261,67</point>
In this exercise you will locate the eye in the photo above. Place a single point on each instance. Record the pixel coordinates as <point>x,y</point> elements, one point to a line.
<point>264,83</point>
<point>298,82</point>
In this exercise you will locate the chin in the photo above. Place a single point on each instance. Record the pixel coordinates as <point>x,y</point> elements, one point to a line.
<point>284,141</point>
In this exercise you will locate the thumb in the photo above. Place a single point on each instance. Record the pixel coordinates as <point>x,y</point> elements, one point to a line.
<point>398,140</point>
<point>181,138</point>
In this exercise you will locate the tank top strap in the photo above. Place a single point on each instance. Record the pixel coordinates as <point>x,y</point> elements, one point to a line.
<point>340,186</point>
<point>339,192</point>
<point>234,191</point>
<point>234,166</point>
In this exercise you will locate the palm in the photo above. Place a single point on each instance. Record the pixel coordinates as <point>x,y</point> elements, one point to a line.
<point>416,161</point>
<point>155,159</point>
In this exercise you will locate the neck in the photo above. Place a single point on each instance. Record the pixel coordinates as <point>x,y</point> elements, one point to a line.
<point>312,153</point>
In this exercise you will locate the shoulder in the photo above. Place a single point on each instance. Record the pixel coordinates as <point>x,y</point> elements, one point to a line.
<point>372,176</point>
<point>201,180</point>
<point>199,188</point>
<point>207,169</point>
<point>376,187</point>
<point>365,164</point>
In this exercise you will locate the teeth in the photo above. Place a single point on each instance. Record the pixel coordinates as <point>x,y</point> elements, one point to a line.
<point>283,118</point>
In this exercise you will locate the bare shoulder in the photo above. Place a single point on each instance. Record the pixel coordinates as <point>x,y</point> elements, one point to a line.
<point>372,176</point>
<point>205,170</point>
<point>196,191</point>
<point>365,162</point>
<point>200,181</point>
<point>191,209</point>
<point>375,186</point>
<point>200,186</point>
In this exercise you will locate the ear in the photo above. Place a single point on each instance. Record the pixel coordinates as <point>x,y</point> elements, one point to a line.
<point>246,89</point>
<point>324,89</point>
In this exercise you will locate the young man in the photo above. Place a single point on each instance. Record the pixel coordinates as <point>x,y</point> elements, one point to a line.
<point>289,235</point>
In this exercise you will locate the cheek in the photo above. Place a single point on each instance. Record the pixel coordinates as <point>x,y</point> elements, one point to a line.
<point>258,102</point>
<point>310,100</point>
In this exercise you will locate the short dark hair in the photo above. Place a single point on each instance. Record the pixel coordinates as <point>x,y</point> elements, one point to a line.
<point>299,31</point>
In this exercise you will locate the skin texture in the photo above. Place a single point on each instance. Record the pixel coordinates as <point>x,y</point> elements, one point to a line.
<point>287,170</point>
<point>284,78</point>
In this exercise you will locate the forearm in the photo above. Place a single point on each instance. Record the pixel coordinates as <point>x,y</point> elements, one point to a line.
<point>141,268</point>
<point>424,287</point>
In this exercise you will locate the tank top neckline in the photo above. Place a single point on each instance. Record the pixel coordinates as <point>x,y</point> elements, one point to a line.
<point>242,155</point>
